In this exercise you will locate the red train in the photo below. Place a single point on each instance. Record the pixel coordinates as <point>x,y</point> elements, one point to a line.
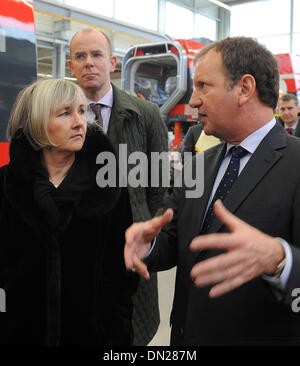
<point>18,62</point>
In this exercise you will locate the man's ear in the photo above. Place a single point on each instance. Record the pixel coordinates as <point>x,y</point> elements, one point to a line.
<point>247,86</point>
<point>70,66</point>
<point>113,63</point>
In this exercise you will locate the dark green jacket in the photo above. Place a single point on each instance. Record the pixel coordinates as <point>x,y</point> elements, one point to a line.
<point>138,124</point>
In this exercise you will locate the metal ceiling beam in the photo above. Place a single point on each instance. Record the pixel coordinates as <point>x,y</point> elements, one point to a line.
<point>239,2</point>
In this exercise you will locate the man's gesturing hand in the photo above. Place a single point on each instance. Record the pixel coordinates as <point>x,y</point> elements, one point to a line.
<point>250,253</point>
<point>138,241</point>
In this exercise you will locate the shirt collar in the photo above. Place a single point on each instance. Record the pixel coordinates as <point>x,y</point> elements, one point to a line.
<point>251,142</point>
<point>293,127</point>
<point>106,100</point>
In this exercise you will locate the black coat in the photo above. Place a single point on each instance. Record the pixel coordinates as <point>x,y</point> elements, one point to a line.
<point>61,253</point>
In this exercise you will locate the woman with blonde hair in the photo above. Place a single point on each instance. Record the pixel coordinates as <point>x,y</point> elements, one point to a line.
<point>62,237</point>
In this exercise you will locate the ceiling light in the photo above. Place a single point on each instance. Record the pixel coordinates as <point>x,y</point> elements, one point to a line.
<point>219,3</point>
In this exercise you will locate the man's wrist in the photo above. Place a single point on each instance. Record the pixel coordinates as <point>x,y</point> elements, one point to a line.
<point>279,260</point>
<point>280,268</point>
<point>280,282</point>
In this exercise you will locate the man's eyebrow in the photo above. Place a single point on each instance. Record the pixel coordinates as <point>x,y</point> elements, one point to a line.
<point>84,52</point>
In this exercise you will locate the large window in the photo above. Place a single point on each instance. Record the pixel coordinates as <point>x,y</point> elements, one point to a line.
<point>296,23</point>
<point>270,22</point>
<point>205,27</point>
<point>184,23</point>
<point>103,7</point>
<point>179,21</point>
<point>137,12</point>
<point>182,19</point>
<point>296,28</point>
<point>296,44</point>
<point>140,13</point>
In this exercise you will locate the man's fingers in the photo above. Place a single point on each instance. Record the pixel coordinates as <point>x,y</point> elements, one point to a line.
<point>225,216</point>
<point>138,239</point>
<point>220,240</point>
<point>226,286</point>
<point>142,232</point>
<point>128,257</point>
<point>161,221</point>
<point>219,269</point>
<point>152,227</point>
<point>224,265</point>
<point>140,267</point>
<point>225,271</point>
<point>134,263</point>
<point>212,241</point>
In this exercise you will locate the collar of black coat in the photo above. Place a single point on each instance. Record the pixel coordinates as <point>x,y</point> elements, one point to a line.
<point>25,166</point>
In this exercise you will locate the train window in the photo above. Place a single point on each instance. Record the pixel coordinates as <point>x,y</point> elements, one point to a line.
<point>155,81</point>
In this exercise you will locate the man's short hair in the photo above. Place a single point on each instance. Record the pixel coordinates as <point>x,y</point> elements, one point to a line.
<point>88,30</point>
<point>244,55</point>
<point>287,97</point>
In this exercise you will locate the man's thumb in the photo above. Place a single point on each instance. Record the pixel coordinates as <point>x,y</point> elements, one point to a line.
<point>163,220</point>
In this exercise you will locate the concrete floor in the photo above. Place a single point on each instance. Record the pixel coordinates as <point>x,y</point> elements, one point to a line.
<point>166,283</point>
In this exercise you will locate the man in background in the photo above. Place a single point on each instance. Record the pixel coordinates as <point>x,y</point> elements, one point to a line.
<point>288,108</point>
<point>126,120</point>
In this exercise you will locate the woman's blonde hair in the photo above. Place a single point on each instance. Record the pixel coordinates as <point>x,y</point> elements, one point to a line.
<point>37,103</point>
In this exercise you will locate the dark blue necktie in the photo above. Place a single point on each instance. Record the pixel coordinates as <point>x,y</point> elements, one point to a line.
<point>237,152</point>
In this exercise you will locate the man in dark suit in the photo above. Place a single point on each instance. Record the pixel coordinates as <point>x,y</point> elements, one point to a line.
<point>126,120</point>
<point>197,141</point>
<point>288,107</point>
<point>237,268</point>
<point>191,138</point>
